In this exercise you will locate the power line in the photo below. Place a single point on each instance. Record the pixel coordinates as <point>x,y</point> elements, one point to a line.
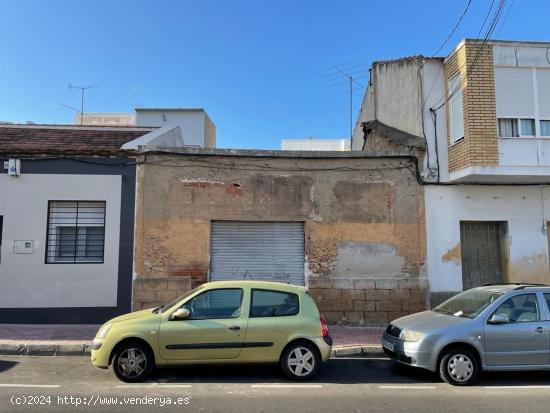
<point>491,28</point>
<point>505,18</point>
<point>454,28</point>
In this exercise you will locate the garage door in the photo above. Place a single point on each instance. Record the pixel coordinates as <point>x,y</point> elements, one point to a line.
<point>271,251</point>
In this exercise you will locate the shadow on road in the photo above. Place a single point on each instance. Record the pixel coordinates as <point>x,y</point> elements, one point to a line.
<point>338,371</point>
<point>6,365</point>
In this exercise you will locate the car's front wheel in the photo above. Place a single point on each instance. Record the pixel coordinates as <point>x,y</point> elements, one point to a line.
<point>300,361</point>
<point>133,362</point>
<point>459,367</point>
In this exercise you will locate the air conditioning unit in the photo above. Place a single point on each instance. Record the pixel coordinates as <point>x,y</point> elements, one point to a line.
<point>14,167</point>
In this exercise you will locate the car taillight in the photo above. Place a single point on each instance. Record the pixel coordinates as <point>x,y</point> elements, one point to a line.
<point>324,328</point>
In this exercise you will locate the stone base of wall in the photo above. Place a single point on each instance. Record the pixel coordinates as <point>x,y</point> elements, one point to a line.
<point>368,302</point>
<point>154,292</point>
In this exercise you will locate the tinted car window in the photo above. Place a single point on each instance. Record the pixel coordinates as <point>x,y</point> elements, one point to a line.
<point>268,303</point>
<point>521,308</point>
<point>220,303</point>
<point>547,297</point>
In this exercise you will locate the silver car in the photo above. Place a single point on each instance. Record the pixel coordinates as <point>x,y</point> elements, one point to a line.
<point>494,327</point>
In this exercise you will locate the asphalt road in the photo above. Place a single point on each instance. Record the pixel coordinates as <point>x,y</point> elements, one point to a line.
<point>344,385</point>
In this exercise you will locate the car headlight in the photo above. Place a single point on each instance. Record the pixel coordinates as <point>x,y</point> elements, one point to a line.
<point>103,331</point>
<point>412,336</point>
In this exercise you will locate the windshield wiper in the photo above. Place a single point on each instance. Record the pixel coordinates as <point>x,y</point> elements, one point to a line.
<point>438,310</point>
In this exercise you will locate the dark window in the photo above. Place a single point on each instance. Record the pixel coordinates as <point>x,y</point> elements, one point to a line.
<point>521,308</point>
<point>76,232</point>
<point>268,303</point>
<point>220,303</point>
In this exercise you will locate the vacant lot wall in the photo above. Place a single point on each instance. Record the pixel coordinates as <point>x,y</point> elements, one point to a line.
<point>363,220</point>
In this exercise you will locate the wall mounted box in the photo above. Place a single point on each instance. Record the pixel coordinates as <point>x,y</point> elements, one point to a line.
<point>23,247</point>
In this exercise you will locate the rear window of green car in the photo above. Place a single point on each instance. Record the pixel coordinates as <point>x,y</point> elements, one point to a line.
<point>271,303</point>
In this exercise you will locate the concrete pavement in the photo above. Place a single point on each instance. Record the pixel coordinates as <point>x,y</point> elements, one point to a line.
<point>372,384</point>
<point>74,340</point>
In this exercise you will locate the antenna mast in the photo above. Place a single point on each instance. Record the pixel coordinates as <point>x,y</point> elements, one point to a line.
<point>82,90</point>
<point>351,82</point>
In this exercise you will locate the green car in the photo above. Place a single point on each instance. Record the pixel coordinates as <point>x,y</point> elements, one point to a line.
<point>219,322</point>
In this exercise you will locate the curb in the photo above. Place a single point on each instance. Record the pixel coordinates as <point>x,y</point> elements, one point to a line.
<point>25,349</point>
<point>364,350</point>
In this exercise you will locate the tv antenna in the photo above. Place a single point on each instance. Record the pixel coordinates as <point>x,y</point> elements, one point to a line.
<point>350,71</point>
<point>349,75</point>
<point>82,90</point>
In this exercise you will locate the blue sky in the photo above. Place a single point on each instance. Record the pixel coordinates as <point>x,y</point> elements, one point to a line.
<point>255,66</point>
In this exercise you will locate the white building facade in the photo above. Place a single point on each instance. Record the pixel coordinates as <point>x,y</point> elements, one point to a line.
<point>485,123</point>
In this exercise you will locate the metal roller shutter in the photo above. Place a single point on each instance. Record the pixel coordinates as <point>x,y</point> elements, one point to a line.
<point>271,251</point>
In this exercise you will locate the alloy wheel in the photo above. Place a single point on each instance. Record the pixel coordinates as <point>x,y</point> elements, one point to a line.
<point>301,361</point>
<point>132,362</point>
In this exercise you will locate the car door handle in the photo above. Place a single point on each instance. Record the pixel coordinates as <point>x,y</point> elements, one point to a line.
<point>540,330</point>
<point>234,328</point>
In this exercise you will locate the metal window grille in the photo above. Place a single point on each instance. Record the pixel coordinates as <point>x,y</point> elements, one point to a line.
<point>75,232</point>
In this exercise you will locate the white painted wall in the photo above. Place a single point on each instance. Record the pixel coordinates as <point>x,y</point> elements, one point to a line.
<point>25,280</point>
<point>525,208</point>
<point>401,95</point>
<point>313,144</point>
<point>196,127</point>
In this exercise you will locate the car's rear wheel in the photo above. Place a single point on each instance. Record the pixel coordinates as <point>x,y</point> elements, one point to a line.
<point>459,367</point>
<point>133,362</point>
<point>300,361</point>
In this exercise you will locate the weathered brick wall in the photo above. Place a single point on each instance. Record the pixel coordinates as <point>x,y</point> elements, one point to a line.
<point>480,144</point>
<point>152,292</point>
<point>363,221</point>
<point>368,302</point>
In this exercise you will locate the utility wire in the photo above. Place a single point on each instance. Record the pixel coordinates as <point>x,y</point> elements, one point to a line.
<point>491,28</point>
<point>505,18</point>
<point>454,28</point>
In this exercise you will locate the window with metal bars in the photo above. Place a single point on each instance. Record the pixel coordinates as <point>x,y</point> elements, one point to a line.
<point>76,232</point>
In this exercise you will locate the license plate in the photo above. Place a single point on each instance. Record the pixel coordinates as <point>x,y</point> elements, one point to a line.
<point>387,344</point>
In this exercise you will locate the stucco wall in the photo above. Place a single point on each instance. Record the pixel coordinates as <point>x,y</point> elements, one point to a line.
<point>364,227</point>
<point>192,123</point>
<point>525,209</point>
<point>25,280</point>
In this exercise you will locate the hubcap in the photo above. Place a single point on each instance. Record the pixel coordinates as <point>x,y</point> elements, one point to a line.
<point>132,362</point>
<point>460,367</point>
<point>301,361</point>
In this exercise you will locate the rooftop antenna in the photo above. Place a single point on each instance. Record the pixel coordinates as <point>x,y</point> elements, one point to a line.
<point>349,75</point>
<point>82,90</point>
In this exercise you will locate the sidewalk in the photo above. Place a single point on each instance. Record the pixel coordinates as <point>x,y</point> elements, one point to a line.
<point>74,340</point>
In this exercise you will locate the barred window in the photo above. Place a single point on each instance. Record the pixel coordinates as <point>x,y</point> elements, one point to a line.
<point>76,232</point>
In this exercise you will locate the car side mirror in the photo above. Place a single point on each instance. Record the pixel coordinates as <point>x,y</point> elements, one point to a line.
<point>181,314</point>
<point>499,319</point>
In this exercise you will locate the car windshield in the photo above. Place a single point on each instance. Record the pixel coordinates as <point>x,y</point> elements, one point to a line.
<point>468,303</point>
<point>171,303</point>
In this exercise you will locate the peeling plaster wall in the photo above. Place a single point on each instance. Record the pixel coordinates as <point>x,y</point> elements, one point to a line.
<point>525,209</point>
<point>364,227</point>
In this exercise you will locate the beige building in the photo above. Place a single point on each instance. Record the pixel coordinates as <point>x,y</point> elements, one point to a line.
<point>347,226</point>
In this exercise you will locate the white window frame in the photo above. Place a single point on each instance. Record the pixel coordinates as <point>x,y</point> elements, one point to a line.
<point>456,101</point>
<point>518,121</point>
<point>537,118</point>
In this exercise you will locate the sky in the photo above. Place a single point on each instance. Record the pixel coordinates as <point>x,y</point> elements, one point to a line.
<point>260,68</point>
